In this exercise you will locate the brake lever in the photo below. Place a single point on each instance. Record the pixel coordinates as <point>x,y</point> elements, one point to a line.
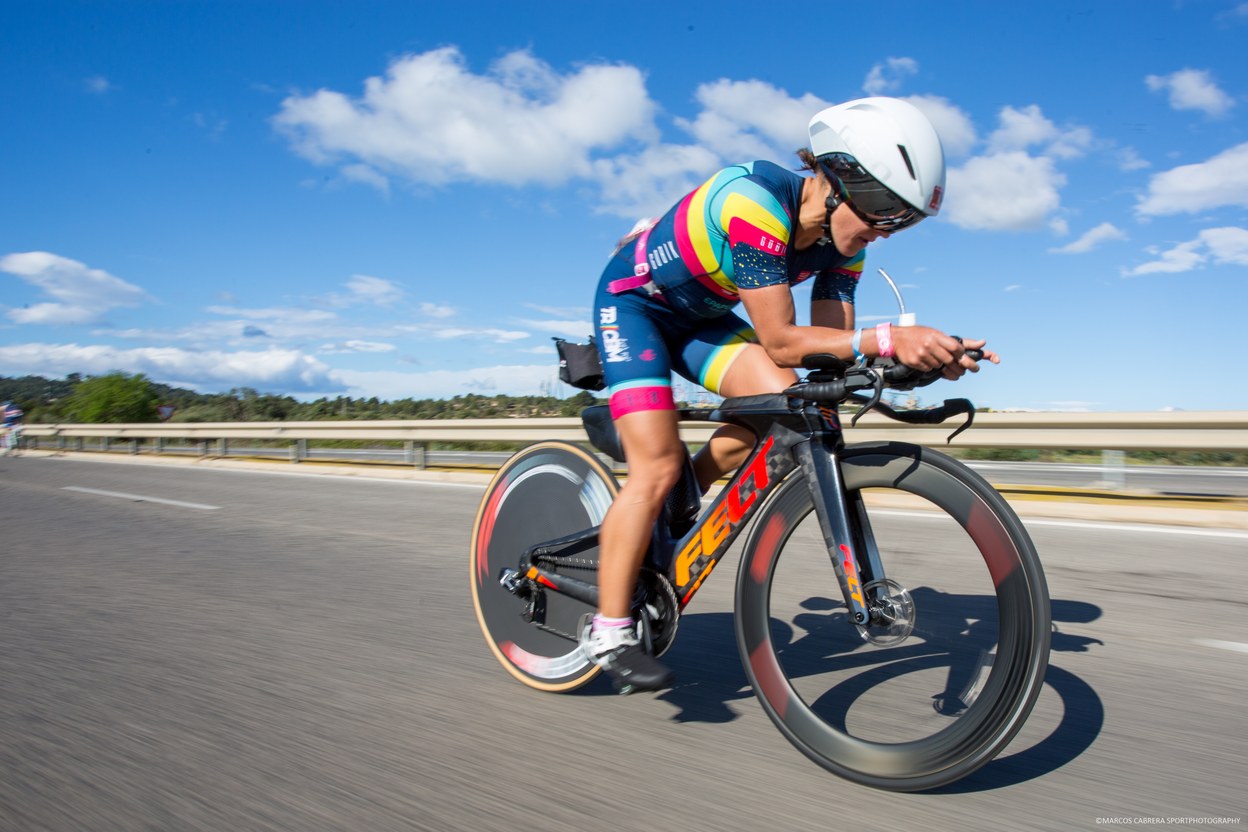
<point>966,407</point>
<point>877,390</point>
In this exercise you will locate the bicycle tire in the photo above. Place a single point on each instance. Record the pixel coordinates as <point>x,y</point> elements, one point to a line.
<point>965,735</point>
<point>546,491</point>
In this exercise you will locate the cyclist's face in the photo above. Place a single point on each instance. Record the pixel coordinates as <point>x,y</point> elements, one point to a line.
<point>850,234</point>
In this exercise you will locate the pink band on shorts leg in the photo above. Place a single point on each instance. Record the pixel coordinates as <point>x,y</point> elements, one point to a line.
<point>633,399</point>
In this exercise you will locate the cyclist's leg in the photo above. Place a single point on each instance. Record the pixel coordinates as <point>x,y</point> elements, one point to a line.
<point>655,454</point>
<point>631,336</point>
<point>727,359</point>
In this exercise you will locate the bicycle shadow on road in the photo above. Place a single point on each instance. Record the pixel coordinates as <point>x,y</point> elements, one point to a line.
<point>709,673</point>
<point>1083,714</point>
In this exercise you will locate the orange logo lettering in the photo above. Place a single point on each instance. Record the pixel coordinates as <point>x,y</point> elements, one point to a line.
<point>723,518</point>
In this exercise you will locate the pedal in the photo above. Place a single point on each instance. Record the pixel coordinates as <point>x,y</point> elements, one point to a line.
<point>512,581</point>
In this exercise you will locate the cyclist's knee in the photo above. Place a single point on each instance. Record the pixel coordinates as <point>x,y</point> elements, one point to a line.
<point>651,478</point>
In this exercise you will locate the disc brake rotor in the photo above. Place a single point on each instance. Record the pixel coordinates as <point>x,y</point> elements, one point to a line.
<point>892,613</point>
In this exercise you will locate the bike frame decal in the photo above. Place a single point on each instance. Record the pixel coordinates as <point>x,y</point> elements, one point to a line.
<point>851,574</point>
<point>830,418</point>
<point>712,536</point>
<point>534,575</point>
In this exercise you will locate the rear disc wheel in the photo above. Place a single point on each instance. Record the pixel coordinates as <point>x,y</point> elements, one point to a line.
<point>546,491</point>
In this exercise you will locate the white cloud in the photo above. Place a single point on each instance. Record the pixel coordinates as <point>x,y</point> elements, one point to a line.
<point>1224,246</point>
<point>560,311</point>
<point>1129,159</point>
<point>1238,14</point>
<point>98,85</point>
<point>1014,185</point>
<point>502,336</point>
<point>1217,182</point>
<point>273,370</point>
<point>1227,245</point>
<point>577,329</point>
<point>888,76</point>
<point>374,289</point>
<point>1028,127</point>
<point>744,120</point>
<point>1182,258</point>
<point>431,120</point>
<point>647,183</point>
<point>365,175</point>
<point>276,314</point>
<point>1240,11</point>
<point>956,131</point>
<point>79,294</point>
<point>1103,233</point>
<point>356,346</point>
<point>1003,192</point>
<point>434,310</point>
<point>515,380</point>
<point>1192,89</point>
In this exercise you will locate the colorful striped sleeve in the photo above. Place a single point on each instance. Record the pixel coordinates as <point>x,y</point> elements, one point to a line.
<point>839,283</point>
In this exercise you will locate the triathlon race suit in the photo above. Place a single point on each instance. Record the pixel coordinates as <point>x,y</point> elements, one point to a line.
<point>665,300</point>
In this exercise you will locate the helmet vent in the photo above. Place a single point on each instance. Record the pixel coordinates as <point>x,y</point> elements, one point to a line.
<point>909,165</point>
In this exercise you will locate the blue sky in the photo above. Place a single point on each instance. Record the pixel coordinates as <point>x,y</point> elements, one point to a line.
<point>401,199</point>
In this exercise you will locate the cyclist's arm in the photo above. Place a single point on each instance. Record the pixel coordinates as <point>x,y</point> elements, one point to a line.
<point>773,314</point>
<point>834,314</point>
<point>832,301</point>
<point>771,310</point>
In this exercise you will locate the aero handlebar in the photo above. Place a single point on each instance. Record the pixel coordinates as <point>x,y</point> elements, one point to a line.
<point>848,381</point>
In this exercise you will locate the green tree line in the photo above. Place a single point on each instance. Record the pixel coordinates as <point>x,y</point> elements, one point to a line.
<point>123,397</point>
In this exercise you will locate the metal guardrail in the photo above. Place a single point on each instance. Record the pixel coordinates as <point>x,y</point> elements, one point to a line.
<point>1163,431</point>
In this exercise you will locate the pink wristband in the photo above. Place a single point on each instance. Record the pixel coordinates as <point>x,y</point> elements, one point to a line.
<point>884,340</point>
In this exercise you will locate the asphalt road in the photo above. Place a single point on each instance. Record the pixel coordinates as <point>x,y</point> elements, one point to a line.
<point>257,651</point>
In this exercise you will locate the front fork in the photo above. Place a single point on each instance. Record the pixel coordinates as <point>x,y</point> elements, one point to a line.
<point>846,529</point>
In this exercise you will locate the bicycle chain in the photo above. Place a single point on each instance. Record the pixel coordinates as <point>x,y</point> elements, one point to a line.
<point>574,563</point>
<point>557,631</point>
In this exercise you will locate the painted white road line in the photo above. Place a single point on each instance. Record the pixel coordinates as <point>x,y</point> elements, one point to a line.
<point>140,498</point>
<point>1089,525</point>
<point>1233,646</point>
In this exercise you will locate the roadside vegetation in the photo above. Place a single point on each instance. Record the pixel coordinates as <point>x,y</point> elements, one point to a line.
<point>119,397</point>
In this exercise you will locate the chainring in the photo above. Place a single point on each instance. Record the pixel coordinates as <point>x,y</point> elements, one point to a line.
<point>656,610</point>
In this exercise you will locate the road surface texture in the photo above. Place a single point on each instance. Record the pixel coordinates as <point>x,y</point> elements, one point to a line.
<point>191,648</point>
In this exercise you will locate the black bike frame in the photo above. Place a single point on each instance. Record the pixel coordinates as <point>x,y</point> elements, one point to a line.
<point>809,439</point>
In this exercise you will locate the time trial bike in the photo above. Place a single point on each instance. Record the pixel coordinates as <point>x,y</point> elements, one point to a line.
<point>898,648</point>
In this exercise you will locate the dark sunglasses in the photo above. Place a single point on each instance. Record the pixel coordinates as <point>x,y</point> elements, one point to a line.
<point>870,201</point>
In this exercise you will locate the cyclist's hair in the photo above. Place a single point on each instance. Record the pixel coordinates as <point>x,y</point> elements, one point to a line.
<point>809,162</point>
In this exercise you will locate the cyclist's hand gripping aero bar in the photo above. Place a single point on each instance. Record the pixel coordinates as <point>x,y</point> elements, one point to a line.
<point>833,381</point>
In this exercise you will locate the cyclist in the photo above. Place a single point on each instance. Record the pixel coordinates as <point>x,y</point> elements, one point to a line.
<point>875,166</point>
<point>11,415</point>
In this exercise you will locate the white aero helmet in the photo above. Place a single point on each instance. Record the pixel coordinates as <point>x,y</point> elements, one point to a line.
<point>886,156</point>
